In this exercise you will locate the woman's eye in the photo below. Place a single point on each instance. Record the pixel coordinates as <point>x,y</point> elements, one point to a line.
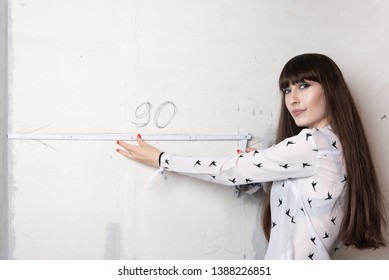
<point>304,85</point>
<point>286,90</point>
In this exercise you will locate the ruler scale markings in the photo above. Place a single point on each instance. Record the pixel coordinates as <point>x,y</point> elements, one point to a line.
<point>129,137</point>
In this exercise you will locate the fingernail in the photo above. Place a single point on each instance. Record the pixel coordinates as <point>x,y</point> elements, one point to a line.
<point>117,142</point>
<point>139,136</point>
<point>238,151</point>
<point>117,150</point>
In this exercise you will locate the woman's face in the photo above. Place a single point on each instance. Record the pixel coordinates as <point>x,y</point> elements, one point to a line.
<point>306,103</point>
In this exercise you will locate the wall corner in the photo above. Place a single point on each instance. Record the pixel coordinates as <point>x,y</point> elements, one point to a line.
<point>4,200</point>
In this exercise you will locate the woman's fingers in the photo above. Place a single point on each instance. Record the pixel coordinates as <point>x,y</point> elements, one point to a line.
<point>141,142</point>
<point>128,148</point>
<point>125,153</point>
<point>142,152</point>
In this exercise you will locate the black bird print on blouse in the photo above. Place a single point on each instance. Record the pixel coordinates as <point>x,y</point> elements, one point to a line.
<point>297,195</point>
<point>314,185</point>
<point>286,166</point>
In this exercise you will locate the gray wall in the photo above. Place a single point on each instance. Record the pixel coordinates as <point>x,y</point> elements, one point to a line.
<point>3,133</point>
<point>86,66</point>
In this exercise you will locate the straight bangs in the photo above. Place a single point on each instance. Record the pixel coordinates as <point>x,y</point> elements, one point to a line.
<point>299,69</point>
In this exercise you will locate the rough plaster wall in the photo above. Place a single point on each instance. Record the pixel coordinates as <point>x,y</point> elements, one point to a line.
<point>218,55</point>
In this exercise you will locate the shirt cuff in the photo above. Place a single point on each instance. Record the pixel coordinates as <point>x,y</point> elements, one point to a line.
<point>160,157</point>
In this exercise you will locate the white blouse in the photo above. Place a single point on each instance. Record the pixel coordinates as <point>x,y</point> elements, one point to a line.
<point>307,202</point>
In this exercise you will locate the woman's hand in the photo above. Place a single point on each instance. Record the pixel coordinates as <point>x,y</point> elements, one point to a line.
<point>144,153</point>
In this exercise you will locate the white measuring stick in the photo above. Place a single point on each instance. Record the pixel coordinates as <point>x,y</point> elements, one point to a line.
<point>242,138</point>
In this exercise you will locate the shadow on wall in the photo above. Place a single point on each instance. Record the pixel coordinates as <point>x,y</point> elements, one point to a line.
<point>3,133</point>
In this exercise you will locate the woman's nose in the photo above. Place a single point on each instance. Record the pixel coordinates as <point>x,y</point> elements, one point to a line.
<point>293,97</point>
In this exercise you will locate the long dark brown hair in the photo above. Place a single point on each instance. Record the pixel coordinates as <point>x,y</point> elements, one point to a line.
<point>364,222</point>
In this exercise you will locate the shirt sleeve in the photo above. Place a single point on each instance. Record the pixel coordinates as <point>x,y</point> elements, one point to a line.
<point>295,157</point>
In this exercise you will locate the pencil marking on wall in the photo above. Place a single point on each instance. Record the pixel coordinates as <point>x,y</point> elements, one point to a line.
<point>47,145</point>
<point>212,248</point>
<point>162,118</point>
<point>143,112</point>
<point>37,129</point>
<point>214,241</point>
<point>40,141</point>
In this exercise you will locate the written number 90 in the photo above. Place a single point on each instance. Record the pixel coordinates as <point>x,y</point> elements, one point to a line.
<point>163,116</point>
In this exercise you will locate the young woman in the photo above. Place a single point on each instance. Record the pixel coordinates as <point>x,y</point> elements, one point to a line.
<point>324,191</point>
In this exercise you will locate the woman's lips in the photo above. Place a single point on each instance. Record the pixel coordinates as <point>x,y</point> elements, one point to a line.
<point>297,112</point>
